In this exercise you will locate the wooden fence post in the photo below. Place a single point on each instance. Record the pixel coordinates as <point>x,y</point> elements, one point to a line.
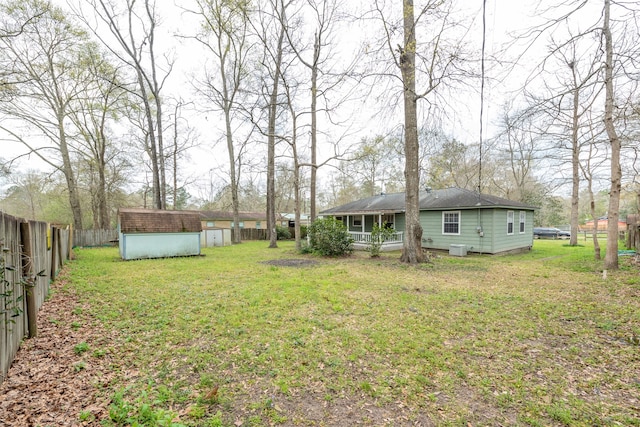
<point>70,255</point>
<point>29,278</point>
<point>54,255</point>
<point>60,255</point>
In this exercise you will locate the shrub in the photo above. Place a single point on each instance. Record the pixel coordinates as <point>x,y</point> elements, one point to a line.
<point>378,236</point>
<point>329,237</point>
<point>283,232</point>
<point>303,231</point>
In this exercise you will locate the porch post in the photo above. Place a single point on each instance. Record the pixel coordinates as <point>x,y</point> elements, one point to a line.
<point>363,224</point>
<point>380,220</point>
<point>348,223</point>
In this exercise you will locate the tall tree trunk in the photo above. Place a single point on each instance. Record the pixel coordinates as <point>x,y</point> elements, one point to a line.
<point>611,255</point>
<point>271,140</point>
<point>235,201</point>
<point>155,91</point>
<point>67,169</point>
<point>596,243</point>
<point>412,248</point>
<point>314,127</point>
<point>174,155</point>
<point>575,162</point>
<point>152,147</point>
<point>160,156</point>
<point>103,210</point>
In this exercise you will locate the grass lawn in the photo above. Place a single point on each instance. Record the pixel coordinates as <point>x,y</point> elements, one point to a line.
<point>229,339</point>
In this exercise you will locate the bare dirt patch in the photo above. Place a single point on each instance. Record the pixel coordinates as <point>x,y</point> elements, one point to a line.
<point>291,262</point>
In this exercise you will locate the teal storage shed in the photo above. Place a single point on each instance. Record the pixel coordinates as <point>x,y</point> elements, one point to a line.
<point>146,233</point>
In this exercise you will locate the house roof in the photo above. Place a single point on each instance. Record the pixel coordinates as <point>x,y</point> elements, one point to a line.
<point>134,220</point>
<point>228,216</point>
<point>448,198</point>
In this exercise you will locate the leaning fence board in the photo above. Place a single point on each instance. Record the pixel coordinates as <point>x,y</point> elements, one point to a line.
<point>41,261</point>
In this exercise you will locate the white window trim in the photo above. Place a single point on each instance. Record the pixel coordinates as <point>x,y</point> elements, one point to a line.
<point>523,220</point>
<point>355,218</point>
<point>513,218</point>
<point>459,223</point>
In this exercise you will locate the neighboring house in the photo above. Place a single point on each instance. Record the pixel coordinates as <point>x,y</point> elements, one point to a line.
<point>145,233</point>
<point>603,224</point>
<point>217,226</point>
<point>452,219</point>
<point>224,220</point>
<point>290,219</point>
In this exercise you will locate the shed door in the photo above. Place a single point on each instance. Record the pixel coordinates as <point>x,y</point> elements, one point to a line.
<point>214,238</point>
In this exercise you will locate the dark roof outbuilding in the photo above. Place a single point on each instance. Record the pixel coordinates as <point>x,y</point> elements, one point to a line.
<point>135,220</point>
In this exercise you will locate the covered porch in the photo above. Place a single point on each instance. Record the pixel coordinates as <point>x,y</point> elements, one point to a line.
<point>361,240</point>
<point>360,226</point>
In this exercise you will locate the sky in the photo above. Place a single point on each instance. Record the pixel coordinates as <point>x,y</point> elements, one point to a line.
<point>503,18</point>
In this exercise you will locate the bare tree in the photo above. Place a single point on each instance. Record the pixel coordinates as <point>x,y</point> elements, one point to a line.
<point>292,140</point>
<point>183,138</point>
<point>326,76</point>
<point>276,57</point>
<point>588,167</point>
<point>427,63</point>
<point>618,67</point>
<point>269,28</point>
<point>571,88</point>
<point>519,144</point>
<point>102,101</point>
<point>374,161</point>
<point>134,29</point>
<point>44,59</point>
<point>224,36</point>
<point>611,255</point>
<point>452,164</point>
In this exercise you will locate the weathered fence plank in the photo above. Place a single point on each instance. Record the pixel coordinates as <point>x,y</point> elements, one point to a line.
<point>28,260</point>
<point>12,317</point>
<point>29,275</point>
<point>250,234</point>
<point>88,238</point>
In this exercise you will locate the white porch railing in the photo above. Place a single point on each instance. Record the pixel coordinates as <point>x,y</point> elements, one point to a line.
<point>365,238</point>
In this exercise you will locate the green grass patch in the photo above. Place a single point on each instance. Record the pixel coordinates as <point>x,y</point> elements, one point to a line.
<point>227,339</point>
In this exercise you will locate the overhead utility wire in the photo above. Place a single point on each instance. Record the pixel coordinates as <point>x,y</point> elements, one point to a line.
<point>484,37</point>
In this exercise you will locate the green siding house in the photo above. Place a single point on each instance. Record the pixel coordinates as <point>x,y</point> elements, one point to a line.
<point>452,219</point>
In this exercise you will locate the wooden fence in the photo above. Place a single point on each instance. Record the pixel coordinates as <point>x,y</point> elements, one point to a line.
<point>32,254</point>
<point>92,238</point>
<point>251,234</point>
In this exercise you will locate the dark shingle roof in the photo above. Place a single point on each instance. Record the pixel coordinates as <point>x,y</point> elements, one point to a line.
<point>134,220</point>
<point>228,216</point>
<point>448,198</point>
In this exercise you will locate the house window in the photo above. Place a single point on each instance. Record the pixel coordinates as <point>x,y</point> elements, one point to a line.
<point>451,222</point>
<point>356,221</point>
<point>211,224</point>
<point>523,217</point>
<point>258,225</point>
<point>509,222</point>
<point>241,224</point>
<point>339,218</point>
